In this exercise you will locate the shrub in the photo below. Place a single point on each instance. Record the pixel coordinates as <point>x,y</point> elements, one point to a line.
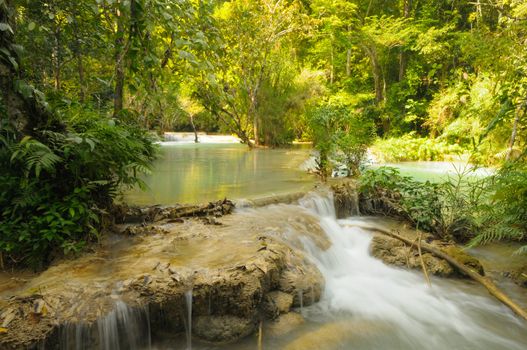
<point>55,185</point>
<point>505,214</point>
<point>480,209</point>
<point>340,134</point>
<point>390,193</point>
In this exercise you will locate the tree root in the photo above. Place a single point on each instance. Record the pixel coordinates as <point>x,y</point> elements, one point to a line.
<point>485,281</point>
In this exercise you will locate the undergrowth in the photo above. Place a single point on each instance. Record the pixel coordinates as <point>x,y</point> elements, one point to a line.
<point>55,186</point>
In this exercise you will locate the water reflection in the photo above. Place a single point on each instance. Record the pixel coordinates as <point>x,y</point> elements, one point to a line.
<point>193,173</point>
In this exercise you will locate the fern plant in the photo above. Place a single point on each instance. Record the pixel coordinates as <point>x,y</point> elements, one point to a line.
<point>53,184</point>
<point>505,215</point>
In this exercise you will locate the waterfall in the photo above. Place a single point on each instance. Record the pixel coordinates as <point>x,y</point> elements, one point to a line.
<point>361,286</point>
<point>123,328</point>
<point>188,302</point>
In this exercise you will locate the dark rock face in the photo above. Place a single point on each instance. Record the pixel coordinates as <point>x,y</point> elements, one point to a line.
<point>223,329</point>
<point>346,198</point>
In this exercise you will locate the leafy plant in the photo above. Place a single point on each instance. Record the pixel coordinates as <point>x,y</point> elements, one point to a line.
<point>56,185</point>
<point>390,193</point>
<point>341,135</point>
<point>505,214</point>
<point>408,148</point>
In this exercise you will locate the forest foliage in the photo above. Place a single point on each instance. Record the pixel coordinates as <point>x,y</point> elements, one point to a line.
<point>450,71</point>
<point>420,80</point>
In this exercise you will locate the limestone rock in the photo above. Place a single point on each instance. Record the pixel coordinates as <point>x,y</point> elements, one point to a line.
<point>277,303</point>
<point>222,329</point>
<point>464,258</point>
<point>394,252</point>
<point>304,283</point>
<point>284,324</point>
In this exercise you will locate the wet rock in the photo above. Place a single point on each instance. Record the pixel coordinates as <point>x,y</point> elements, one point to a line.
<point>222,329</point>
<point>394,252</point>
<point>464,258</point>
<point>277,303</point>
<point>519,276</point>
<point>284,324</point>
<point>335,335</point>
<point>247,268</point>
<point>346,198</point>
<point>133,230</point>
<point>304,283</point>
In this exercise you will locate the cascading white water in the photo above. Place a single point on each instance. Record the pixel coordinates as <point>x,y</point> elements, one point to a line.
<point>417,316</point>
<point>124,328</point>
<point>188,302</point>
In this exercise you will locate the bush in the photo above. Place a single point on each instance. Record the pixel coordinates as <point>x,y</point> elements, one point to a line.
<point>55,185</point>
<point>505,214</point>
<point>339,134</point>
<point>389,193</point>
<point>480,209</point>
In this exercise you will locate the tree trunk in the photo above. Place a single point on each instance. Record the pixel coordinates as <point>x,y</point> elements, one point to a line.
<point>348,57</point>
<point>80,63</point>
<point>119,66</point>
<point>56,58</point>
<point>80,70</point>
<point>514,132</point>
<point>377,75</point>
<point>256,130</point>
<point>194,129</point>
<point>403,59</point>
<point>332,71</point>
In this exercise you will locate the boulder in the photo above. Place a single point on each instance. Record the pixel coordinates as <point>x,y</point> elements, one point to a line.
<point>223,329</point>
<point>277,303</point>
<point>284,324</point>
<point>394,252</point>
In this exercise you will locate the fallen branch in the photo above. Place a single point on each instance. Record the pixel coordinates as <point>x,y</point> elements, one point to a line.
<point>419,245</point>
<point>485,281</point>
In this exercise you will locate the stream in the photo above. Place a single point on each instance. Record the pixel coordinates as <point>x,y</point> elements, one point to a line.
<point>369,305</point>
<point>364,304</point>
<point>198,173</point>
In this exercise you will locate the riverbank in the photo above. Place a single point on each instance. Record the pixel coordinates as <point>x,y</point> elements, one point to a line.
<point>229,274</point>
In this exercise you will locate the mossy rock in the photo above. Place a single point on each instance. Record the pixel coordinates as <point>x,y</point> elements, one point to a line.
<point>461,256</point>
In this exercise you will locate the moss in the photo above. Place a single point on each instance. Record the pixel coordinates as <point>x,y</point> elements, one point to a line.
<point>464,258</point>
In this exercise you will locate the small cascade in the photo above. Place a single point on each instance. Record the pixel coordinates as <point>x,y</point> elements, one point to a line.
<point>124,328</point>
<point>355,206</point>
<point>320,205</point>
<point>300,294</point>
<point>362,287</point>
<point>209,307</point>
<point>188,302</point>
<point>75,336</point>
<point>312,295</point>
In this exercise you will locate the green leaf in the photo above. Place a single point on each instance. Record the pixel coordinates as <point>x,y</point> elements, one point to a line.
<point>5,27</point>
<point>31,26</point>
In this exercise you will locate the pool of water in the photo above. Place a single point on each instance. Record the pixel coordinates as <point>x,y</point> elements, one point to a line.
<point>195,173</point>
